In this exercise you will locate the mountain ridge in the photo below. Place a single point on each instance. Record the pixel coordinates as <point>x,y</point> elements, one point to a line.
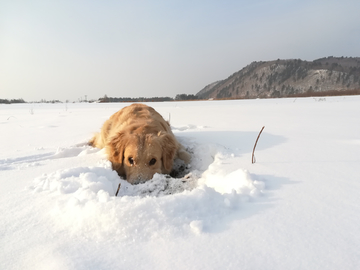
<point>291,77</point>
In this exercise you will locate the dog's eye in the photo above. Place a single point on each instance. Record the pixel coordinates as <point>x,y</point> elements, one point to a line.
<point>131,160</point>
<point>152,161</point>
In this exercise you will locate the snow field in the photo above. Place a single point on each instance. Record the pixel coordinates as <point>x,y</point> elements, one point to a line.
<point>297,207</point>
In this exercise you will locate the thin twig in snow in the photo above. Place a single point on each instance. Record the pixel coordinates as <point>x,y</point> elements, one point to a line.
<point>253,160</point>
<point>118,190</point>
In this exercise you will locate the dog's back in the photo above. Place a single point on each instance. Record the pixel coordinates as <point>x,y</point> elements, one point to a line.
<point>137,116</point>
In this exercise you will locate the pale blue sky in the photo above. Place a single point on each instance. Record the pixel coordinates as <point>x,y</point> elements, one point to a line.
<point>68,49</point>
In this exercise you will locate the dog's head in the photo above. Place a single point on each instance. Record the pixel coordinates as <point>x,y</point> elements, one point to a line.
<point>137,157</point>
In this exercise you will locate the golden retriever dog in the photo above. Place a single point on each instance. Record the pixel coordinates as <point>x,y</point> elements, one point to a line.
<point>139,143</point>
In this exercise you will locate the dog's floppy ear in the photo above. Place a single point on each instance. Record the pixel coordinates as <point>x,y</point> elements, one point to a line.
<point>169,147</point>
<point>115,147</point>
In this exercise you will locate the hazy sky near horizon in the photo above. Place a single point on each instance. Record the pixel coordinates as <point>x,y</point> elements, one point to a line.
<point>68,49</point>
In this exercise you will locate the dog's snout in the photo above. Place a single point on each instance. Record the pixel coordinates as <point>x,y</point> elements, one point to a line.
<point>139,178</point>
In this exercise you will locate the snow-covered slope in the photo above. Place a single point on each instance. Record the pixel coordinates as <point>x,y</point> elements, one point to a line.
<point>297,207</point>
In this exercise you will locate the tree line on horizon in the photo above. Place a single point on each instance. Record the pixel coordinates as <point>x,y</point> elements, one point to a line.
<point>10,101</point>
<point>178,97</point>
<point>20,100</point>
<point>107,99</point>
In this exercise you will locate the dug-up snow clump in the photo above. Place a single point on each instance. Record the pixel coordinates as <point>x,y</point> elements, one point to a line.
<point>85,201</point>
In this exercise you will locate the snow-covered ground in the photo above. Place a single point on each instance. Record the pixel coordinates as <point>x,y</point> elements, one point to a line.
<point>297,207</point>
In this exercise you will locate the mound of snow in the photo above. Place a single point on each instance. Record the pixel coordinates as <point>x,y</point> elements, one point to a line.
<point>74,151</point>
<point>85,201</point>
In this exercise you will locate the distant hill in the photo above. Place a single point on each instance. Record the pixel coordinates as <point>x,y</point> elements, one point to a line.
<point>284,78</point>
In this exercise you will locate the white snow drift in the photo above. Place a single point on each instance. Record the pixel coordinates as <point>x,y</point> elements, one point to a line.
<point>297,207</point>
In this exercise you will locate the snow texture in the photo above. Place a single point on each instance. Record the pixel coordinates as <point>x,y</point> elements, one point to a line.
<point>297,207</point>
<point>85,197</point>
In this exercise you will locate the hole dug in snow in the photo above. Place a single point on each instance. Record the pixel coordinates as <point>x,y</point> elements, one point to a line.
<point>85,203</point>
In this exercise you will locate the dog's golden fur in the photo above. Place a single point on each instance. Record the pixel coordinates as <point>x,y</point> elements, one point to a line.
<point>139,143</point>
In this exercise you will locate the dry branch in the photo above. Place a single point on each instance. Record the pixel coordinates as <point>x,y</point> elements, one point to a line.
<point>118,190</point>
<point>253,160</point>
